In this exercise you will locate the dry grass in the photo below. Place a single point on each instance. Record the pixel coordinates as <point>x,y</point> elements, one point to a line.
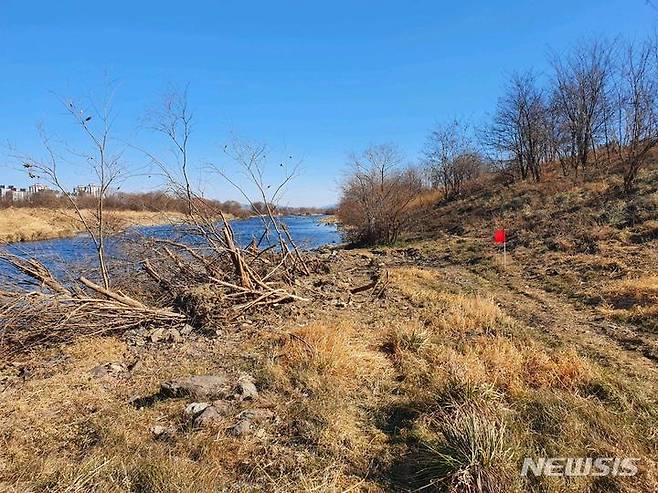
<point>449,312</point>
<point>31,224</point>
<point>471,363</point>
<point>329,351</point>
<point>436,386</point>
<point>633,300</point>
<point>64,430</point>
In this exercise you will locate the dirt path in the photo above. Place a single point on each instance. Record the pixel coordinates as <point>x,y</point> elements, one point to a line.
<point>557,316</point>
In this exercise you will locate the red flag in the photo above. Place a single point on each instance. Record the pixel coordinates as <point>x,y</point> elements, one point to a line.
<point>499,236</point>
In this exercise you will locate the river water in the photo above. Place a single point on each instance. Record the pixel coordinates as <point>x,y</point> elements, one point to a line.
<point>308,232</point>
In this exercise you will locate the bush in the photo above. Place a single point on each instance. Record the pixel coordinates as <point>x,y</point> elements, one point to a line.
<point>376,199</point>
<point>470,458</point>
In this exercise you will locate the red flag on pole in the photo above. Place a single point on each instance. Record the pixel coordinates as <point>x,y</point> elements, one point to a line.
<point>499,236</point>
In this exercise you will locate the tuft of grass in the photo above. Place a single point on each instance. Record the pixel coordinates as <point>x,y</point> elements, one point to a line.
<point>323,352</point>
<point>459,396</point>
<point>471,456</point>
<point>413,339</point>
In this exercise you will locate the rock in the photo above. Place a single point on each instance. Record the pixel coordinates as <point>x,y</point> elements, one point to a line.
<point>165,335</point>
<point>209,417</point>
<point>157,335</point>
<point>107,369</point>
<point>174,336</point>
<point>186,329</point>
<point>240,428</point>
<point>196,408</point>
<point>246,418</point>
<point>198,387</point>
<point>163,432</point>
<point>246,389</point>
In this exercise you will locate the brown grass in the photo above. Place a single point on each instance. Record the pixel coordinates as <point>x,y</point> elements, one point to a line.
<point>438,385</point>
<point>30,224</point>
<point>634,300</point>
<point>469,360</point>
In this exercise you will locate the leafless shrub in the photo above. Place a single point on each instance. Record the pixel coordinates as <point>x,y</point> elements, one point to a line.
<point>376,195</point>
<point>104,162</point>
<point>580,99</point>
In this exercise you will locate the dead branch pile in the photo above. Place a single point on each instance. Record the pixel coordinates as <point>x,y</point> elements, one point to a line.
<point>223,281</point>
<point>214,284</point>
<point>52,312</point>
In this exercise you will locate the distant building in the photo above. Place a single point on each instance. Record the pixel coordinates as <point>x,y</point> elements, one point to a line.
<point>92,190</point>
<point>36,188</point>
<point>10,192</point>
<point>19,194</point>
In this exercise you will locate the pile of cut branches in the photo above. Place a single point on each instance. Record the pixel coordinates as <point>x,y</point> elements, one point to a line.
<point>235,279</point>
<point>216,283</point>
<point>41,310</point>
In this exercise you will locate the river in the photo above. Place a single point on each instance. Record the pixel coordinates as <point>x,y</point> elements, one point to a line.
<point>308,232</point>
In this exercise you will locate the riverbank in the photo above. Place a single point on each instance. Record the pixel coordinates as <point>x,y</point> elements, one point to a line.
<point>33,224</point>
<point>450,366</point>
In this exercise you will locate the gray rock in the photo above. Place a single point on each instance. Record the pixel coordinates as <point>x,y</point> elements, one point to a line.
<point>240,428</point>
<point>200,387</point>
<point>186,329</point>
<point>209,417</point>
<point>174,336</point>
<point>157,335</point>
<point>196,408</point>
<point>246,389</point>
<point>107,369</point>
<point>163,432</point>
<point>248,417</point>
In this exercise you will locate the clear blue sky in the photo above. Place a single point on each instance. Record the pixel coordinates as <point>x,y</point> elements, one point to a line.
<point>312,79</point>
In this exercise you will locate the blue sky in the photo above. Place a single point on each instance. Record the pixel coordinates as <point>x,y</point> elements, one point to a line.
<point>314,80</point>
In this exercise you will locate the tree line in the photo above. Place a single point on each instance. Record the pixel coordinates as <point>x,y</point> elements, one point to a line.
<point>156,201</point>
<point>597,106</point>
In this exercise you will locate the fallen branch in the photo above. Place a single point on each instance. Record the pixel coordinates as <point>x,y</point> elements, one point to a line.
<point>116,297</point>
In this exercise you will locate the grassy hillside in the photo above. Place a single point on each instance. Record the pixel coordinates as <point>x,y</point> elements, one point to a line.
<point>584,239</point>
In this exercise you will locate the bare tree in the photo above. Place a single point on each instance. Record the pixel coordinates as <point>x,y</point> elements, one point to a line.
<point>637,119</point>
<point>518,134</point>
<point>580,98</point>
<point>377,193</point>
<point>252,164</point>
<point>449,159</point>
<point>105,163</point>
<point>173,119</point>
